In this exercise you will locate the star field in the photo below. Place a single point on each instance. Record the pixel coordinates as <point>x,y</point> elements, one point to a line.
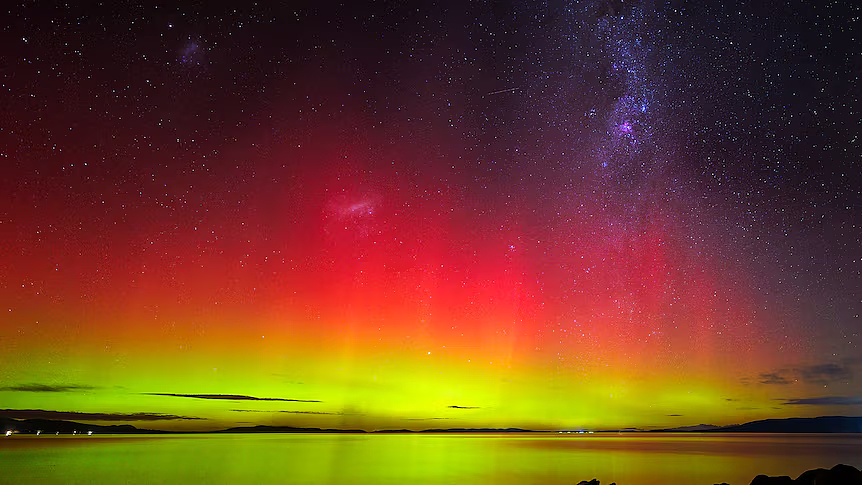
<point>530,214</point>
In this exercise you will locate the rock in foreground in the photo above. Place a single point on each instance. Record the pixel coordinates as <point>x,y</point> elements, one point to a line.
<point>838,475</point>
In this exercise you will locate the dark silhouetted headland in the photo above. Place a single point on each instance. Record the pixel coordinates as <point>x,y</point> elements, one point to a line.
<point>823,424</point>
<point>51,426</point>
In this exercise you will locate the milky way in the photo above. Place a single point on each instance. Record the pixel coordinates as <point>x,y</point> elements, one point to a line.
<point>531,214</point>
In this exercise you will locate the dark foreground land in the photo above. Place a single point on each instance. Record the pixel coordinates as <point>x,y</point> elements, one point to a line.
<point>837,475</point>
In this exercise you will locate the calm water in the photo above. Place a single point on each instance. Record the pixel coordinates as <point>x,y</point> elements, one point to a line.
<point>628,459</point>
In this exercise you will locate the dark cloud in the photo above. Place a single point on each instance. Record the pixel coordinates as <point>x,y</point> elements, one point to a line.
<point>321,412</point>
<point>43,414</point>
<point>772,378</point>
<point>820,374</point>
<point>730,399</point>
<point>827,401</point>
<point>674,415</point>
<point>287,412</point>
<point>825,373</point>
<point>463,407</point>
<point>288,379</point>
<point>32,387</point>
<point>229,397</point>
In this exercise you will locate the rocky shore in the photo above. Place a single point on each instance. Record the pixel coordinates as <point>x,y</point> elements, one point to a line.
<point>837,475</point>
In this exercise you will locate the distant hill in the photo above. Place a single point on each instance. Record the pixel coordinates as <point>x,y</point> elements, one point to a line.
<point>477,430</point>
<point>823,424</point>
<point>49,426</point>
<point>285,429</point>
<point>291,429</point>
<point>689,429</point>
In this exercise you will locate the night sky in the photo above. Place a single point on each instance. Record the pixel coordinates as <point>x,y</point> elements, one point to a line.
<point>547,215</point>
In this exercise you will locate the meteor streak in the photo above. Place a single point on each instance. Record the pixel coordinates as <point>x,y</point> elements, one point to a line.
<point>504,91</point>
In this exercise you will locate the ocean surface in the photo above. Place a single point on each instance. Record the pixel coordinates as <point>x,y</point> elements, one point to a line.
<point>524,458</point>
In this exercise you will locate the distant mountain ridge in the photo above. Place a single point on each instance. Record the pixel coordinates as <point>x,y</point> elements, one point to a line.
<point>291,429</point>
<point>32,426</point>
<point>284,429</point>
<point>697,428</point>
<point>822,424</point>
